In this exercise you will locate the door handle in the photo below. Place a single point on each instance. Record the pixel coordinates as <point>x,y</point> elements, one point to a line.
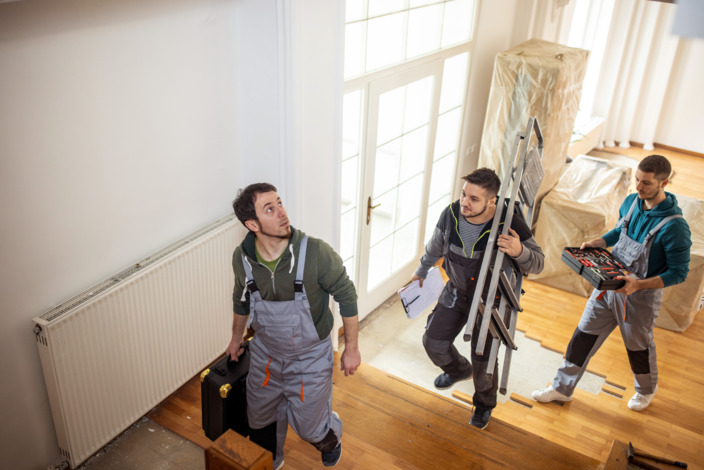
<point>369,208</point>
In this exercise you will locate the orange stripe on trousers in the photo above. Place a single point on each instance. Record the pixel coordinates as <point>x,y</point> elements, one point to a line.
<point>266,380</point>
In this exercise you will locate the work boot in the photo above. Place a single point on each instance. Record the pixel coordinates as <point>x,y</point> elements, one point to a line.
<point>639,402</point>
<point>546,395</point>
<point>480,417</point>
<point>331,458</point>
<point>445,380</point>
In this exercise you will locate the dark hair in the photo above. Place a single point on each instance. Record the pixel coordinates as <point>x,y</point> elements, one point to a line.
<point>485,178</point>
<point>243,204</point>
<point>656,164</point>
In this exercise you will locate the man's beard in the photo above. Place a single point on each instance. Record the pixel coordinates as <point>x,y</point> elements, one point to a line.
<point>486,204</point>
<point>277,235</point>
<point>649,196</point>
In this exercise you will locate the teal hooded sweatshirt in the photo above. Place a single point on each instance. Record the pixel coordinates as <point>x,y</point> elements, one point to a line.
<point>669,252</point>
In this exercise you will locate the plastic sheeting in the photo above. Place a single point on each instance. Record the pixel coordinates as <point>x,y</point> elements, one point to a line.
<point>536,78</point>
<point>583,205</point>
<point>681,303</point>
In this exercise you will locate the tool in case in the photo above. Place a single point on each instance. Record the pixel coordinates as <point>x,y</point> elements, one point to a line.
<point>224,396</point>
<point>597,266</point>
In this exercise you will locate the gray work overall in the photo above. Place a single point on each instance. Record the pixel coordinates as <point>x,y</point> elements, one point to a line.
<point>634,314</point>
<point>290,374</point>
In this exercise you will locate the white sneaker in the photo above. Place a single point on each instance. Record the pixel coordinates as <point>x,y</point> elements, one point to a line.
<point>639,402</point>
<point>546,395</point>
<point>280,466</point>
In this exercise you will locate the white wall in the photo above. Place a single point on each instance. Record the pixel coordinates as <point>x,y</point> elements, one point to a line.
<point>493,35</point>
<point>127,125</point>
<point>124,126</point>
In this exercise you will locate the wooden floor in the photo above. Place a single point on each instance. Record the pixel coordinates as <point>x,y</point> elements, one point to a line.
<point>392,424</point>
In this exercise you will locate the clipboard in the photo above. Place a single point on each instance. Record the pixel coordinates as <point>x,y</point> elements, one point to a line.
<point>416,300</point>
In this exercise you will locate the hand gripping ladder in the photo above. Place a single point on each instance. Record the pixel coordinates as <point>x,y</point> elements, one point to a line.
<point>522,177</point>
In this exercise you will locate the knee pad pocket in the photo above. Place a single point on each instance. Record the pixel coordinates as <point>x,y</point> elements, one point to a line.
<point>580,346</point>
<point>640,361</point>
<point>435,345</point>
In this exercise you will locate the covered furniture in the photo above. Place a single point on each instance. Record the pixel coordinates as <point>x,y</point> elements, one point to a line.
<point>540,79</point>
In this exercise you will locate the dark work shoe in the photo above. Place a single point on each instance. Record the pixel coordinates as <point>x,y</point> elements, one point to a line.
<point>331,458</point>
<point>480,418</point>
<point>444,381</point>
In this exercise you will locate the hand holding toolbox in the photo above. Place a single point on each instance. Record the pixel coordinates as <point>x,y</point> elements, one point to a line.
<point>597,266</point>
<point>223,395</point>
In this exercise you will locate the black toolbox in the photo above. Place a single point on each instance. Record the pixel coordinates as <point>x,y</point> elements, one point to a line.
<point>224,397</point>
<point>597,266</point>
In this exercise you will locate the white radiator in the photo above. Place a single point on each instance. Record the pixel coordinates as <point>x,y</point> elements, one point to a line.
<point>115,351</point>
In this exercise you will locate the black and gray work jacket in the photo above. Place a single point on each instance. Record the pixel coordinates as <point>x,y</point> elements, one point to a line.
<point>462,263</point>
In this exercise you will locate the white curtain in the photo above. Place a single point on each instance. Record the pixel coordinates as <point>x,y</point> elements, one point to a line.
<point>630,65</point>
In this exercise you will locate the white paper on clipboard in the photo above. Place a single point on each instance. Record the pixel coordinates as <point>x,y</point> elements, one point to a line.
<point>416,300</point>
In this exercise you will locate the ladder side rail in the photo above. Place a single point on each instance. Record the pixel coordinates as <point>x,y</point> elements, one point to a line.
<point>481,277</point>
<point>514,178</point>
<point>495,341</point>
<point>512,329</point>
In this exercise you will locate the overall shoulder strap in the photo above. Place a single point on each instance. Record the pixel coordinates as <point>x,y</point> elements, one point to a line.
<point>251,285</point>
<point>660,225</point>
<point>302,249</point>
<point>627,218</point>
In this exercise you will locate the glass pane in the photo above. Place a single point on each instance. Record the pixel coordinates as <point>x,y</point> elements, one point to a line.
<point>355,10</point>
<point>454,82</point>
<point>391,105</point>
<point>405,246</point>
<point>448,134</point>
<point>385,40</point>
<point>457,26</point>
<point>424,29</point>
<point>354,49</point>
<point>418,99</point>
<point>348,230</point>
<point>416,3</point>
<point>381,7</point>
<point>382,219</point>
<point>388,159</point>
<point>348,186</point>
<point>351,112</point>
<point>379,263</point>
<point>441,179</point>
<point>434,211</point>
<point>413,153</point>
<point>409,198</point>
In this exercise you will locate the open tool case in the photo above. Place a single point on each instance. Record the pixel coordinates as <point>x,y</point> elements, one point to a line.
<point>597,266</point>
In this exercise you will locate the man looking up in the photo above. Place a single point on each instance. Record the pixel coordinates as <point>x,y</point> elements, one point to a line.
<point>461,236</point>
<point>283,280</point>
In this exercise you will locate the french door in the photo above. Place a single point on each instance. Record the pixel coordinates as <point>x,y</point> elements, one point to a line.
<point>401,137</point>
<point>402,122</point>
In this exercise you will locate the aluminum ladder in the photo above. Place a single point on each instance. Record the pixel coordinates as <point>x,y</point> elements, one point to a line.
<point>522,177</point>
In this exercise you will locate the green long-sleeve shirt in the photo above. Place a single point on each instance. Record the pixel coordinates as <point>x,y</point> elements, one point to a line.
<point>324,275</point>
